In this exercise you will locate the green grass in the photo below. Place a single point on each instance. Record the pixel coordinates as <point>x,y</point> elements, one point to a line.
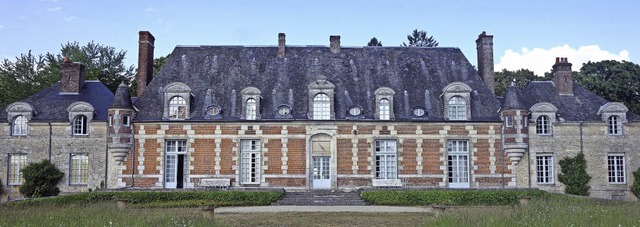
<point>448,197</point>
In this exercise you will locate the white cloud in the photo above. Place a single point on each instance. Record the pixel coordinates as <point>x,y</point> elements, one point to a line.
<point>541,60</point>
<point>54,8</point>
<point>67,19</point>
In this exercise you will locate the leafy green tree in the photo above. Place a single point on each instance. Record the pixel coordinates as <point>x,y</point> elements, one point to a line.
<point>24,76</point>
<point>158,63</point>
<point>374,42</point>
<point>521,77</point>
<point>635,187</point>
<point>574,175</point>
<point>41,179</point>
<point>614,80</point>
<point>420,39</point>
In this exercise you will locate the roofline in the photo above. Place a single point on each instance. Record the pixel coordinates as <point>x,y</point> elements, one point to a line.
<point>306,46</point>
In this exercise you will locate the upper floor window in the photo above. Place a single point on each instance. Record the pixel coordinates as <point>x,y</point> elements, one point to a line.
<point>19,126</point>
<point>126,120</point>
<point>251,103</point>
<point>614,125</point>
<point>80,125</point>
<point>16,163</point>
<point>383,109</point>
<point>321,107</point>
<point>543,126</point>
<point>457,108</point>
<point>250,109</point>
<point>384,103</point>
<point>177,108</point>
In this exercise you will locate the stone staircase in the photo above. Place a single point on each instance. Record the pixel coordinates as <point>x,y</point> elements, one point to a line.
<point>321,198</point>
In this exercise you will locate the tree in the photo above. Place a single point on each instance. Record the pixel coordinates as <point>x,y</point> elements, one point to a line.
<point>635,187</point>
<point>41,179</point>
<point>158,63</point>
<point>23,77</point>
<point>615,81</point>
<point>574,175</point>
<point>521,77</point>
<point>374,42</point>
<point>420,39</point>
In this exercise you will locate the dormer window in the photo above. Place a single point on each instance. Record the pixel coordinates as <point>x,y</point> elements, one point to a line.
<point>614,114</point>
<point>79,125</point>
<point>614,125</point>
<point>321,96</point>
<point>355,111</point>
<point>544,115</point>
<point>177,108</point>
<point>384,103</point>
<point>19,126</point>
<point>419,112</point>
<point>80,115</point>
<point>284,111</point>
<point>251,103</point>
<point>457,100</point>
<point>543,126</point>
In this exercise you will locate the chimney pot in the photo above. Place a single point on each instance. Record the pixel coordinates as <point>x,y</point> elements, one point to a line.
<point>334,44</point>
<point>281,44</point>
<point>562,76</point>
<point>145,60</point>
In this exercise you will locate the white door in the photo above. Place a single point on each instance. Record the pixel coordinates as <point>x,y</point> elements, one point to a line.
<point>458,170</point>
<point>321,175</point>
<point>171,171</point>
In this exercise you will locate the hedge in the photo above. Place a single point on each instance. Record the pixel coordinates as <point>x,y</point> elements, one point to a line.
<point>165,199</point>
<point>448,197</point>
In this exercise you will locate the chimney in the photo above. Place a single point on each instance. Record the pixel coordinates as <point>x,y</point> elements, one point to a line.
<point>562,78</point>
<point>484,47</point>
<point>72,77</point>
<point>334,45</point>
<point>281,42</point>
<point>145,60</point>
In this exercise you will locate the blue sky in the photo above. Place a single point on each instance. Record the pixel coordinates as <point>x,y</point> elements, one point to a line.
<point>528,34</point>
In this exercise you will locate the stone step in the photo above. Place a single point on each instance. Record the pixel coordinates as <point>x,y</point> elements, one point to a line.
<point>321,198</point>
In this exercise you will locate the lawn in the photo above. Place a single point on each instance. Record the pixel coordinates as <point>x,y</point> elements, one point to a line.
<point>555,210</point>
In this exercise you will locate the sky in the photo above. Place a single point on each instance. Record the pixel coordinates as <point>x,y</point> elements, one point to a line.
<point>527,34</point>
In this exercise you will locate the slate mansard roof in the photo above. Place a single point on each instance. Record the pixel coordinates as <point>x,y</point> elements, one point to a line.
<point>50,106</point>
<point>417,76</point>
<point>582,106</point>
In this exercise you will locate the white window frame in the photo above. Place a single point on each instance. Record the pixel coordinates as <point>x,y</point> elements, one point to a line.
<point>79,169</point>
<point>386,159</point>
<point>178,108</point>
<point>19,126</point>
<point>80,126</point>
<point>251,109</point>
<point>614,125</point>
<point>545,169</point>
<point>457,106</point>
<point>250,161</point>
<point>321,107</point>
<point>126,120</point>
<point>17,162</point>
<point>543,125</point>
<point>508,121</point>
<point>458,154</point>
<point>616,169</point>
<point>384,111</point>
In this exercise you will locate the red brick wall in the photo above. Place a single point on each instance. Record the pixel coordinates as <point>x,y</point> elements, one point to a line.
<point>406,129</point>
<point>344,156</point>
<point>409,154</point>
<point>286,182</point>
<point>140,182</point>
<point>353,182</point>
<point>274,156</point>
<point>151,155</point>
<point>366,129</point>
<point>422,181</point>
<point>271,130</point>
<point>229,130</point>
<point>226,155</point>
<point>203,156</point>
<point>458,130</point>
<point>431,156</point>
<point>482,156</point>
<point>363,155</point>
<point>297,156</point>
<point>204,129</point>
<point>175,130</point>
<point>300,130</point>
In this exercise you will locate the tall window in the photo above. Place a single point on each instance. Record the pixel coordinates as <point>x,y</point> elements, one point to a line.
<point>614,125</point>
<point>457,108</point>
<point>544,169</point>
<point>616,169</point>
<point>458,163</point>
<point>542,125</point>
<point>321,107</point>
<point>386,161</point>
<point>80,125</point>
<point>16,163</point>
<point>383,109</point>
<point>177,108</point>
<point>19,126</point>
<point>79,173</point>
<point>250,161</point>
<point>250,111</point>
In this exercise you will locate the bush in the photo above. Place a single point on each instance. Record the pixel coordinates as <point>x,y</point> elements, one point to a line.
<point>635,188</point>
<point>1,187</point>
<point>40,179</point>
<point>574,175</point>
<point>449,197</point>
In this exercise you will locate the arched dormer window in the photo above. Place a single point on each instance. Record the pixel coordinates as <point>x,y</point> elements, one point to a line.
<point>457,100</point>
<point>543,125</point>
<point>384,103</point>
<point>79,125</point>
<point>177,108</point>
<point>19,126</point>
<point>177,101</point>
<point>250,103</point>
<point>80,115</point>
<point>321,107</point>
<point>321,96</point>
<point>615,115</point>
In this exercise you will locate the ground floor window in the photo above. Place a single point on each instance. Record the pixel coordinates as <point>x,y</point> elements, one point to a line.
<point>458,163</point>
<point>174,163</point>
<point>250,161</point>
<point>616,168</point>
<point>16,163</point>
<point>544,169</point>
<point>386,160</point>
<point>79,173</point>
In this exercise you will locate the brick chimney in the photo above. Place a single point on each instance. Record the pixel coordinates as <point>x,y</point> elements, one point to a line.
<point>562,78</point>
<point>484,47</point>
<point>334,44</point>
<point>281,42</point>
<point>72,78</point>
<point>145,60</point>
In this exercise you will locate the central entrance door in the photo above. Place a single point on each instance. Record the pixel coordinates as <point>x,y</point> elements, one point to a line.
<point>321,174</point>
<point>175,151</point>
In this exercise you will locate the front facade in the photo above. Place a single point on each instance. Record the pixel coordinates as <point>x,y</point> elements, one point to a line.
<point>318,118</point>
